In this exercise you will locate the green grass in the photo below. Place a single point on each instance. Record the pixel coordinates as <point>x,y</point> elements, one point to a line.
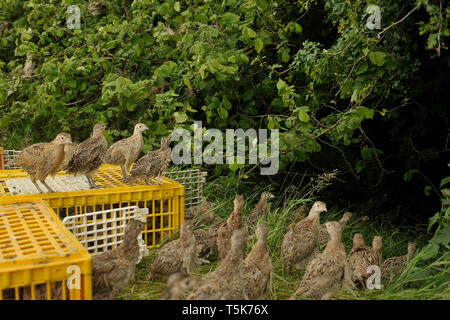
<point>422,279</point>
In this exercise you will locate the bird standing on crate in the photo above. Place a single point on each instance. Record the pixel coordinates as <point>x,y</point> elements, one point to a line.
<point>111,270</point>
<point>69,150</point>
<point>124,152</point>
<point>153,164</point>
<point>88,156</point>
<point>43,159</point>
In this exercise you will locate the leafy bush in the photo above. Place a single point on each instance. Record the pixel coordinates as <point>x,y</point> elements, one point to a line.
<point>313,70</point>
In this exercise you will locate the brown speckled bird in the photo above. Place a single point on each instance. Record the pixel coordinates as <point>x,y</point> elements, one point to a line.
<point>111,270</point>
<point>204,214</point>
<point>362,256</point>
<point>153,164</point>
<point>300,244</point>
<point>261,210</point>
<point>125,151</point>
<point>88,156</point>
<point>227,228</point>
<point>69,150</point>
<point>395,265</point>
<point>206,241</point>
<point>324,235</point>
<point>178,255</point>
<point>43,159</point>
<point>257,267</point>
<point>226,281</point>
<point>325,275</point>
<point>178,284</point>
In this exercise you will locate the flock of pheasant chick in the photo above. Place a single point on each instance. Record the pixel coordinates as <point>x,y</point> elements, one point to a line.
<point>249,277</point>
<point>237,276</point>
<point>45,159</point>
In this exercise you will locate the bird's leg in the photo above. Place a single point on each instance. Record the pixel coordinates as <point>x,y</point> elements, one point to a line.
<point>158,179</point>
<point>37,187</point>
<point>148,276</point>
<point>92,183</point>
<point>124,172</point>
<point>47,186</point>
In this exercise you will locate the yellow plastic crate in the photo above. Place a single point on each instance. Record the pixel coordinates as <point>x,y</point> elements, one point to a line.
<point>39,257</point>
<point>165,202</point>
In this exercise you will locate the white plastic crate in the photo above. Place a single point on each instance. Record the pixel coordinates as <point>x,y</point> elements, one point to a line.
<point>101,231</point>
<point>10,155</point>
<point>192,179</point>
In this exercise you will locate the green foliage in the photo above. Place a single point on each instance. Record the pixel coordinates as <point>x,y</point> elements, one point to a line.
<point>229,63</point>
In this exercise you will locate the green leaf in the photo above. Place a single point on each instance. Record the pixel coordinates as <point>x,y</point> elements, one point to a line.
<point>444,182</point>
<point>250,32</point>
<point>366,153</point>
<point>446,192</point>
<point>303,113</point>
<point>223,114</point>
<point>366,113</point>
<point>230,18</point>
<point>233,166</point>
<point>180,116</point>
<point>176,6</point>
<point>258,45</point>
<point>362,68</point>
<point>377,57</point>
<point>285,55</point>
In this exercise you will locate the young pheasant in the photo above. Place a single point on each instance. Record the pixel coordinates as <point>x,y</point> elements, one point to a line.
<point>362,256</point>
<point>226,281</point>
<point>227,228</point>
<point>124,152</point>
<point>300,244</point>
<point>257,267</point>
<point>395,265</point>
<point>43,159</point>
<point>261,210</point>
<point>111,270</point>
<point>204,214</point>
<point>325,275</point>
<point>88,156</point>
<point>206,241</point>
<point>324,235</point>
<point>178,284</point>
<point>178,255</point>
<point>153,164</point>
<point>69,150</point>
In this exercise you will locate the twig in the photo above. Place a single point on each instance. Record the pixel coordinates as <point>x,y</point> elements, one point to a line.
<point>399,21</point>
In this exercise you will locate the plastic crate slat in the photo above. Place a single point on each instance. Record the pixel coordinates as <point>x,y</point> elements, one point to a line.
<point>80,230</point>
